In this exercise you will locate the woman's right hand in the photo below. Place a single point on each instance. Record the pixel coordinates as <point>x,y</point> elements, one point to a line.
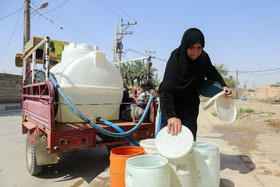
<point>174,126</point>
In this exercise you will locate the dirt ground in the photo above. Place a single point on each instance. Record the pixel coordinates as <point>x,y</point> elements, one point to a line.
<point>249,146</point>
<point>256,135</point>
<point>256,118</point>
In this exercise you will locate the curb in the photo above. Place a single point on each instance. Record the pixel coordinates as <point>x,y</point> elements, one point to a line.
<point>11,107</point>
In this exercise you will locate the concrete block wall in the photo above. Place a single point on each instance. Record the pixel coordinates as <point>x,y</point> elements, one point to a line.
<point>10,88</point>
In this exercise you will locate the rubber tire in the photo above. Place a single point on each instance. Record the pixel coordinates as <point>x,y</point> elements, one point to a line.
<point>30,158</point>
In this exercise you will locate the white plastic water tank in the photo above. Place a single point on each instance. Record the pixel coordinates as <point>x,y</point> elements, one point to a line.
<point>207,158</point>
<point>88,78</point>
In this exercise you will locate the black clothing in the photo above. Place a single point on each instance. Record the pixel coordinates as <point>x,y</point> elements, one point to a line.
<point>182,78</point>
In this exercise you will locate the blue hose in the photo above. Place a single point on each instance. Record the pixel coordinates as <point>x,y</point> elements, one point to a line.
<point>85,119</point>
<point>119,129</point>
<point>159,123</point>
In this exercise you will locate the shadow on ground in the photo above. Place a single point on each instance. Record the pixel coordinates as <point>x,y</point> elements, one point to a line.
<point>241,163</point>
<point>4,113</point>
<point>226,183</point>
<point>87,164</point>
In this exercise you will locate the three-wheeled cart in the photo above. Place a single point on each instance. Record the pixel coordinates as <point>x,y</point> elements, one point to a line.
<point>45,136</point>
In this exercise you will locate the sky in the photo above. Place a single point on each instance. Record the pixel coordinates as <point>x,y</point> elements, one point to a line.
<point>244,35</point>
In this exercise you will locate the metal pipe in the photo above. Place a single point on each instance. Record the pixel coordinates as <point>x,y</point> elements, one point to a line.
<point>24,70</point>
<point>33,65</point>
<point>36,47</point>
<point>136,59</point>
<point>47,58</point>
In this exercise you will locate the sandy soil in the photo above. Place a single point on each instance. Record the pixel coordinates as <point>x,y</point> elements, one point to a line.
<point>249,147</point>
<point>256,135</point>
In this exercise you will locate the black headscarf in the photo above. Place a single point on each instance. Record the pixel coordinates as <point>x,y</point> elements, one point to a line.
<point>181,73</point>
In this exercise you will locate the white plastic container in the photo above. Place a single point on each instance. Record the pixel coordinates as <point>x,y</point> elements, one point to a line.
<point>149,146</point>
<point>88,78</point>
<point>207,158</point>
<point>183,171</point>
<point>175,146</point>
<point>225,109</point>
<point>178,150</point>
<point>147,171</point>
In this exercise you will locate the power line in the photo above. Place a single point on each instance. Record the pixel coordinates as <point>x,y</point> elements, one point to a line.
<point>58,6</point>
<point>78,30</point>
<point>11,13</point>
<point>259,71</point>
<point>122,10</point>
<point>110,9</point>
<point>51,21</point>
<point>10,38</point>
<point>269,73</point>
<point>107,7</point>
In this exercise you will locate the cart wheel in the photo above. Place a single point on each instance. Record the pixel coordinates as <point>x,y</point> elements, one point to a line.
<point>30,158</point>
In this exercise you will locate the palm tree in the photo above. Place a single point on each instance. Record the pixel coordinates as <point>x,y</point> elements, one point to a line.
<point>156,80</point>
<point>135,71</point>
<point>140,71</point>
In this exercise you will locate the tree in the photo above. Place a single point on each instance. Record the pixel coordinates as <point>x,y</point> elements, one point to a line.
<point>140,69</point>
<point>135,71</point>
<point>156,80</point>
<point>222,69</point>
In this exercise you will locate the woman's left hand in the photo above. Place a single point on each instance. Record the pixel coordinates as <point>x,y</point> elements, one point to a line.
<point>228,91</point>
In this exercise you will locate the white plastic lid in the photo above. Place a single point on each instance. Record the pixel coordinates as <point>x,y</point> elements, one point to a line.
<point>174,146</point>
<point>211,101</point>
<point>225,109</point>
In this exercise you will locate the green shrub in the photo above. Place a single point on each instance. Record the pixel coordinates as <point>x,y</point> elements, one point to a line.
<point>249,110</point>
<point>204,99</point>
<point>214,114</point>
<point>271,113</point>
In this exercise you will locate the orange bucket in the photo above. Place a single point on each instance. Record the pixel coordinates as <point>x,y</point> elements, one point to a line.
<point>118,157</point>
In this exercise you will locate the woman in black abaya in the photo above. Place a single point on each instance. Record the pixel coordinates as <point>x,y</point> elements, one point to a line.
<point>185,74</point>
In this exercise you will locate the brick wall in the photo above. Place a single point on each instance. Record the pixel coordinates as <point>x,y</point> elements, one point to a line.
<point>260,93</point>
<point>10,88</point>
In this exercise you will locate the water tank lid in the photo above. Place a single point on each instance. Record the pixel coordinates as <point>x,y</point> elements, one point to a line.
<point>225,109</point>
<point>174,146</point>
<point>82,46</point>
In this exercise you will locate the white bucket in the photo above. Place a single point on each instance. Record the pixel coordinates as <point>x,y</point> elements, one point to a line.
<point>207,158</point>
<point>87,77</point>
<point>147,171</point>
<point>149,146</point>
<point>183,171</point>
<point>178,150</point>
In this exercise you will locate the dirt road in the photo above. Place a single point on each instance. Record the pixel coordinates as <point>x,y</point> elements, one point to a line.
<point>249,146</point>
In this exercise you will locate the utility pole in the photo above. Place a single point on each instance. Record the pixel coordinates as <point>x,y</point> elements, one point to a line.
<point>115,45</point>
<point>26,25</point>
<point>237,83</point>
<point>118,45</point>
<point>149,64</point>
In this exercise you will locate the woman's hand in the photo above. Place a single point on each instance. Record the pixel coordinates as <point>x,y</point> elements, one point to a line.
<point>228,91</point>
<point>174,126</point>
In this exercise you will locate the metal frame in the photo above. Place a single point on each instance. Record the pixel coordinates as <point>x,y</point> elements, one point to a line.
<point>38,116</point>
<point>33,53</point>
